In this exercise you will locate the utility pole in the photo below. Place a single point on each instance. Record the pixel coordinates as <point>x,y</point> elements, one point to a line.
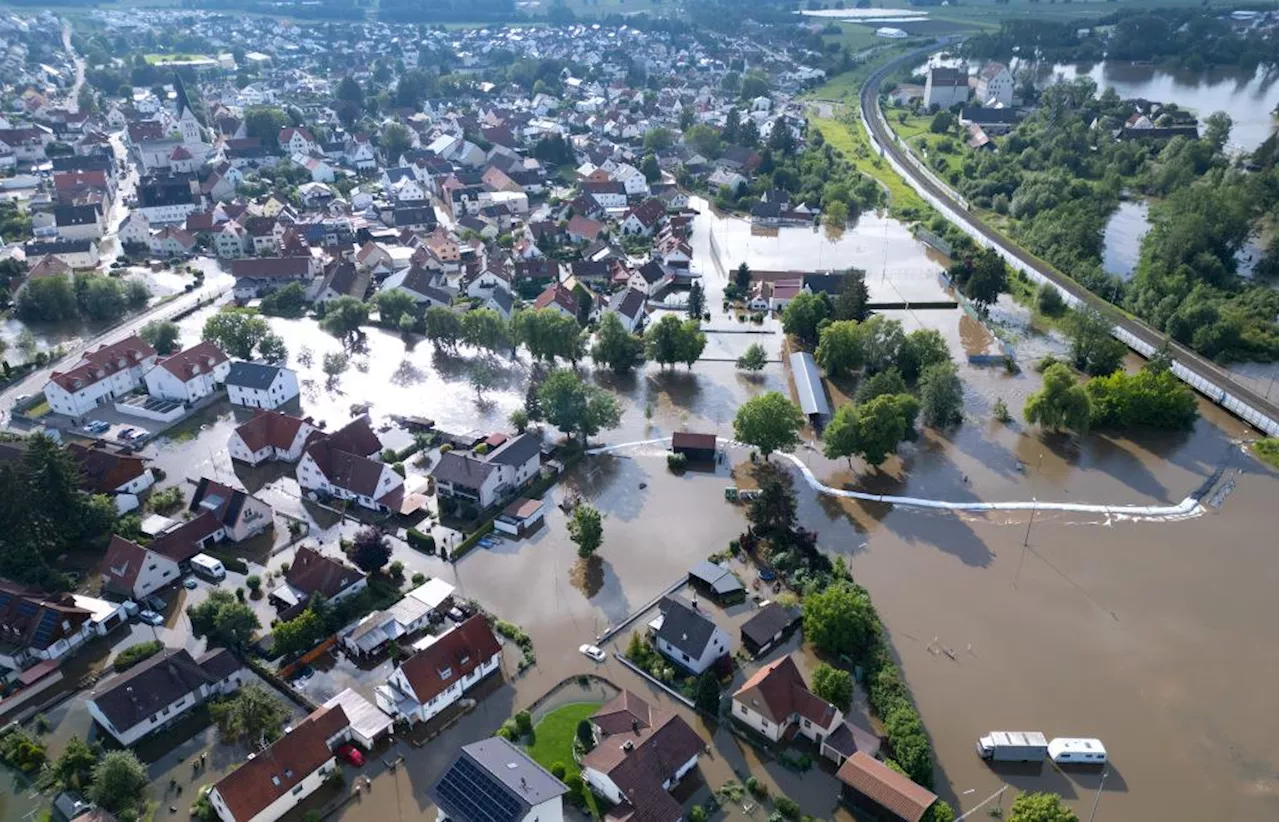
<point>1027,536</point>
<point>1098,796</point>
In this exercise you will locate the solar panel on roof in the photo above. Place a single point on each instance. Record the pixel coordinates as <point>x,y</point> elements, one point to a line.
<point>48,623</point>
<point>474,796</point>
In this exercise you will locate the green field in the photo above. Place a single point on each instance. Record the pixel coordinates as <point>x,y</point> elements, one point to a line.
<point>855,36</point>
<point>553,741</point>
<point>852,142</point>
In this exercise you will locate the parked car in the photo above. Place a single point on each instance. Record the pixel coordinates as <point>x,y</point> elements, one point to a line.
<point>151,618</point>
<point>456,614</point>
<point>351,754</point>
<point>157,604</point>
<point>125,434</point>
<point>131,608</point>
<point>303,675</point>
<point>189,583</point>
<point>592,652</point>
<point>97,426</point>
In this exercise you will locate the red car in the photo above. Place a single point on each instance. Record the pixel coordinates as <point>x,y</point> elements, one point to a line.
<point>351,754</point>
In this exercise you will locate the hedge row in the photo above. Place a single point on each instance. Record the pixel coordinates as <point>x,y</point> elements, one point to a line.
<point>890,701</point>
<point>232,563</point>
<point>134,654</point>
<point>423,542</point>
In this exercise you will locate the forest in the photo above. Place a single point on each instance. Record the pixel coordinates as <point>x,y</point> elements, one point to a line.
<point>1057,178</point>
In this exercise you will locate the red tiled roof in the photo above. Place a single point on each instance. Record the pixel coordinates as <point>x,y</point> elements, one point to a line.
<point>270,428</point>
<point>100,364</point>
<point>459,652</point>
<point>103,471</point>
<point>121,564</point>
<point>314,573</point>
<point>777,691</point>
<point>273,773</point>
<point>557,294</point>
<point>200,358</point>
<point>187,540</point>
<point>886,787</point>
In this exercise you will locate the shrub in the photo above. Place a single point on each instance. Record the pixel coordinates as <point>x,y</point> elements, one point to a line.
<point>396,569</point>
<point>787,807</point>
<point>698,814</point>
<point>524,723</point>
<point>757,788</point>
<point>423,542</point>
<point>134,654</point>
<point>1049,301</point>
<point>418,579</point>
<point>1001,411</point>
<point>677,462</point>
<point>254,583</point>
<point>557,770</point>
<point>284,567</point>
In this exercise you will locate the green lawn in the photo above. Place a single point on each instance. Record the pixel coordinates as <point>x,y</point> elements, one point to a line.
<point>1267,451</point>
<point>853,143</point>
<point>854,35</point>
<point>553,741</point>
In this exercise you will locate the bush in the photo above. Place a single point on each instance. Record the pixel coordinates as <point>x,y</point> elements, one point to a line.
<point>787,807</point>
<point>254,583</point>
<point>698,814</point>
<point>757,788</point>
<point>423,542</point>
<point>557,770</point>
<point>1049,301</point>
<point>524,723</point>
<point>396,569</point>
<point>1001,411</point>
<point>419,579</point>
<point>134,654</point>
<point>677,462</point>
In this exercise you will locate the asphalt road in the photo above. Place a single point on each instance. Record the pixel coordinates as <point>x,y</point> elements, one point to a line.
<point>1206,369</point>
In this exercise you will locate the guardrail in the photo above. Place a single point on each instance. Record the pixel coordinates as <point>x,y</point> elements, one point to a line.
<point>1218,389</point>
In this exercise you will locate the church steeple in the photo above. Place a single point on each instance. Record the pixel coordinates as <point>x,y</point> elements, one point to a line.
<point>183,103</point>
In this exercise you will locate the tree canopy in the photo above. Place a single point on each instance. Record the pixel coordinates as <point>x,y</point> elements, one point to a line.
<point>839,619</point>
<point>1060,403</point>
<point>586,529</point>
<point>770,422</point>
<point>576,407</point>
<point>238,331</point>
<point>224,620</point>
<point>670,341</point>
<point>615,347</point>
<point>871,430</point>
<point>804,314</point>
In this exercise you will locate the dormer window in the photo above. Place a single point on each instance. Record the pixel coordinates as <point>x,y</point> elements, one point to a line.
<point>446,673</point>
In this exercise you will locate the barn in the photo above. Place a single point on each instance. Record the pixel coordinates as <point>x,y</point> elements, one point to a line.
<point>695,447</point>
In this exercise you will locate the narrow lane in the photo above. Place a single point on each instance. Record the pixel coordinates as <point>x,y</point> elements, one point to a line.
<point>1202,374</point>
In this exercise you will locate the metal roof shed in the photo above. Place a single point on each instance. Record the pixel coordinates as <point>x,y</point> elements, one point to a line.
<point>813,400</point>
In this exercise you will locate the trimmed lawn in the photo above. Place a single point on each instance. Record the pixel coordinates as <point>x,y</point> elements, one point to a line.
<point>553,741</point>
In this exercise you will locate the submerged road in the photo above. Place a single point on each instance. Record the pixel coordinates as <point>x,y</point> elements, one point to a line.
<point>1201,374</point>
<point>1188,507</point>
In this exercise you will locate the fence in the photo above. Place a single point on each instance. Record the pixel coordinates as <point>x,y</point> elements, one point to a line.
<point>715,253</point>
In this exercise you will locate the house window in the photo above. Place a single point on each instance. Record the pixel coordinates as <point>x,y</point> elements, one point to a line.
<point>742,709</point>
<point>296,790</point>
<point>808,724</point>
<point>684,656</point>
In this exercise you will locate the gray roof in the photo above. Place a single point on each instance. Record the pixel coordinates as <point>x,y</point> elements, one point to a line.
<point>493,781</point>
<point>767,622</point>
<point>683,628</point>
<point>721,580</point>
<point>462,469</point>
<point>809,385</point>
<point>503,298</point>
<point>629,303</point>
<point>156,683</point>
<point>517,451</point>
<point>252,375</point>
<point>847,739</point>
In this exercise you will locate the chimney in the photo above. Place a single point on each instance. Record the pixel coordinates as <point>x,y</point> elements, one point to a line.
<point>635,725</point>
<point>628,746</point>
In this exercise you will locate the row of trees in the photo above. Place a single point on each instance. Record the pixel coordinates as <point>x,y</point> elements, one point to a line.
<point>1154,398</point>
<point>92,297</point>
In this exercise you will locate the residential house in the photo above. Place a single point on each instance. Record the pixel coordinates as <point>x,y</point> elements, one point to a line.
<point>36,626</point>
<point>172,241</point>
<point>427,603</point>
<point>608,194</point>
<point>502,301</point>
<point>120,476</point>
<point>427,287</point>
<point>257,385</point>
<point>556,296</point>
<point>944,87</point>
<point>994,86</point>
<point>441,672</point>
<point>100,376</point>
<point>641,753</point>
<point>298,141</point>
<point>159,691</point>
<point>651,278</point>
<point>775,699</point>
<point>189,375</point>
<point>79,254</point>
<point>642,220</point>
<point>486,479</point>
<point>878,792</point>
<point>135,230</point>
<point>255,277</point>
<point>689,637</point>
<point>276,780</point>
<point>339,465</point>
<point>629,305</point>
<point>79,222</point>
<point>167,200</point>
<point>130,570</point>
<point>242,515</point>
<point>270,436</point>
<point>231,240</point>
<point>311,573</point>
<point>506,778</point>
<point>770,625</point>
<point>583,229</point>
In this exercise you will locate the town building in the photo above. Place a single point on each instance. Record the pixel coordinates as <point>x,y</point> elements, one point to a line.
<point>312,573</point>
<point>241,515</point>
<point>103,375</point>
<point>878,792</point>
<point>994,86</point>
<point>120,476</point>
<point>944,87</point>
<point>276,780</point>
<point>159,691</point>
<point>484,479</point>
<point>441,672</point>
<point>689,637</point>
<point>130,570</point>
<point>340,465</point>
<point>257,385</point>
<point>270,437</point>
<point>190,375</point>
<point>494,781</point>
<point>641,754</point>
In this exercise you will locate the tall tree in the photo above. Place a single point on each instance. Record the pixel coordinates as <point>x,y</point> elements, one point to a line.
<point>697,302</point>
<point>616,347</point>
<point>161,335</point>
<point>253,715</point>
<point>444,328</point>
<point>753,359</point>
<point>344,316</point>
<point>851,302</point>
<point>773,510</point>
<point>804,314</point>
<point>1093,349</point>
<point>1060,403</point>
<point>840,348</point>
<point>770,422</point>
<point>577,407</point>
<point>485,329</point>
<point>941,395</point>
<point>370,549</point>
<point>840,619</point>
<point>226,621</point>
<point>1040,807</point>
<point>834,685</point>
<point>395,140</point>
<point>236,331</point>
<point>871,430</point>
<point>119,782</point>
<point>670,341</point>
<point>921,349</point>
<point>586,529</point>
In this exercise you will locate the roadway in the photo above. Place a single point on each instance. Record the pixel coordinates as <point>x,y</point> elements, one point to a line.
<point>1205,369</point>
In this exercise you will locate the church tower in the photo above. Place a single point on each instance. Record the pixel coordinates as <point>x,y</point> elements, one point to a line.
<point>188,125</point>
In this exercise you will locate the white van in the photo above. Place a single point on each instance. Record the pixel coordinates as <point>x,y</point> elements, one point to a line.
<point>1067,751</point>
<point>208,567</point>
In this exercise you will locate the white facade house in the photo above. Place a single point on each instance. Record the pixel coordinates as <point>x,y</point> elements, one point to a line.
<point>131,570</point>
<point>441,672</point>
<point>995,86</point>
<point>269,437</point>
<point>254,385</point>
<point>161,690</point>
<point>189,375</point>
<point>650,278</point>
<point>505,775</point>
<point>135,230</point>
<point>273,782</point>
<point>688,637</point>
<point>485,479</point>
<point>776,698</point>
<point>100,377</point>
<point>371,484</point>
<point>944,87</point>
